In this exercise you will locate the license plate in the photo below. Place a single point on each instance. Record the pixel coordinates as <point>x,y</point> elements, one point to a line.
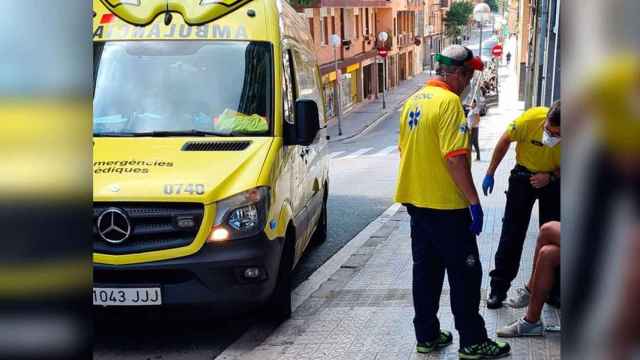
<point>127,296</point>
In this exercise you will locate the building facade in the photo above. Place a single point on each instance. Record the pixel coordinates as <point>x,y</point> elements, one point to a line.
<point>434,30</point>
<point>361,73</point>
<point>538,51</point>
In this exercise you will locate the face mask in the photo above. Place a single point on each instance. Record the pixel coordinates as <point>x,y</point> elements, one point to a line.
<point>548,140</point>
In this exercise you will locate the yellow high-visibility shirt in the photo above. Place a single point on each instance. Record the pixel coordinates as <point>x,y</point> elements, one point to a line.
<point>432,129</point>
<point>614,96</point>
<point>527,131</point>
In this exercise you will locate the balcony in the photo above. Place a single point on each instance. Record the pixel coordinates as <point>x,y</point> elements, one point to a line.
<point>406,39</point>
<point>343,3</point>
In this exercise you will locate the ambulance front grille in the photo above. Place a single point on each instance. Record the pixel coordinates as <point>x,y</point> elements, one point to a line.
<point>153,226</point>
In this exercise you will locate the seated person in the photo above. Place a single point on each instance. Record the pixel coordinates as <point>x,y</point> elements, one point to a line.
<point>535,293</point>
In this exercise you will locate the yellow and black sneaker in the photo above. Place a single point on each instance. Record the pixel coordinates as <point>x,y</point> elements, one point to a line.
<point>488,349</point>
<point>445,339</point>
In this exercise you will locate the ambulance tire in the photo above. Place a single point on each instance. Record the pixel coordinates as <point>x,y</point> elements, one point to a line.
<point>320,235</point>
<point>279,305</point>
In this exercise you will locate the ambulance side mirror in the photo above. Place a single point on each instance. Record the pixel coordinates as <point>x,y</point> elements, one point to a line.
<point>307,122</point>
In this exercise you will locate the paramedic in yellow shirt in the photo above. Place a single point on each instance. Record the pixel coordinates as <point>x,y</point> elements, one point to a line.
<point>606,107</point>
<point>436,186</point>
<point>536,176</point>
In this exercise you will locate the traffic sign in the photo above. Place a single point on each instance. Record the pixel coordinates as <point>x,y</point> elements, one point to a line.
<point>497,50</point>
<point>383,52</point>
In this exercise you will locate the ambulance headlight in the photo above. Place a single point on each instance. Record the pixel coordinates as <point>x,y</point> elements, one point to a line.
<point>244,214</point>
<point>245,218</point>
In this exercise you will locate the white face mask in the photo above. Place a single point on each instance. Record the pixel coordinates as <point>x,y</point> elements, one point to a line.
<point>548,140</point>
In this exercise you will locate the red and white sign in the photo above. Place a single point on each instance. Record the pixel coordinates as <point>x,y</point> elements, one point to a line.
<point>383,52</point>
<point>497,50</point>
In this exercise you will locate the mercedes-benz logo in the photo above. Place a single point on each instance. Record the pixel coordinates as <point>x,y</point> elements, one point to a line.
<point>114,226</point>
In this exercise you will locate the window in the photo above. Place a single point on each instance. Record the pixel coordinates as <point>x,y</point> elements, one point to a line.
<point>236,77</point>
<point>349,24</point>
<point>311,28</point>
<point>333,25</point>
<point>288,88</point>
<point>324,37</point>
<point>307,80</point>
<point>366,24</point>
<point>357,26</point>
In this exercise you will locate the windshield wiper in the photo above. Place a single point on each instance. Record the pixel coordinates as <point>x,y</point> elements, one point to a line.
<point>182,133</point>
<point>113,134</point>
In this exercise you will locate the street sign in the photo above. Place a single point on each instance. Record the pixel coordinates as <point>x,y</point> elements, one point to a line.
<point>383,52</point>
<point>497,50</point>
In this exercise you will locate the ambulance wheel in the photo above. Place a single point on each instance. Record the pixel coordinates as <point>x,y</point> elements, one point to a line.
<point>279,305</point>
<point>320,235</point>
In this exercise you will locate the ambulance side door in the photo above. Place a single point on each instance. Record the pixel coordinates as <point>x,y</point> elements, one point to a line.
<point>295,153</point>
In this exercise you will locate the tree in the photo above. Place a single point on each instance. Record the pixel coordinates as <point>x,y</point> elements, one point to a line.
<point>493,4</point>
<point>457,17</point>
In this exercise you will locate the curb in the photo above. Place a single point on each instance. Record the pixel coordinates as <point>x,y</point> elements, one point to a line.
<point>369,126</point>
<point>257,333</point>
<point>361,130</point>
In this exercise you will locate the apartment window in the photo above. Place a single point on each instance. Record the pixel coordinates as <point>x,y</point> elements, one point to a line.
<point>366,24</point>
<point>395,26</point>
<point>333,24</point>
<point>358,26</point>
<point>404,23</point>
<point>349,23</point>
<point>412,28</point>
<point>311,28</point>
<point>324,37</point>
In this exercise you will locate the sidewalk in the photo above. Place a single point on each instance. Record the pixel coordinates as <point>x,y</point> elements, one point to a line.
<point>365,311</point>
<point>365,114</point>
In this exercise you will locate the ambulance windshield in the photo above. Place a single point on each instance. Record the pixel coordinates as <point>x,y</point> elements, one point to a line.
<point>164,88</point>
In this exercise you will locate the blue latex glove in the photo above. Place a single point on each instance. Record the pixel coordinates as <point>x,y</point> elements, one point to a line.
<point>478,218</point>
<point>487,185</point>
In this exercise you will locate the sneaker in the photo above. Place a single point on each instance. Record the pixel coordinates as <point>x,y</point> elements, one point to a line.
<point>520,300</point>
<point>488,349</point>
<point>444,340</point>
<point>521,327</point>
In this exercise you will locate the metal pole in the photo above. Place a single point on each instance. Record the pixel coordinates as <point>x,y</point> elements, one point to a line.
<point>431,52</point>
<point>384,82</point>
<point>480,47</point>
<point>335,57</point>
<point>498,82</point>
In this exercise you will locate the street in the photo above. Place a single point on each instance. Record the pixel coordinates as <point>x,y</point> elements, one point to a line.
<point>363,172</point>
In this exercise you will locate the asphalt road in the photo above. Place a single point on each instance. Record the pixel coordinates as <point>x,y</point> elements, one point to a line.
<point>363,176</point>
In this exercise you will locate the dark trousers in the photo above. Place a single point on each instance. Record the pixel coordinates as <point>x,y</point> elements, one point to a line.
<point>441,240</point>
<point>474,140</point>
<point>520,199</point>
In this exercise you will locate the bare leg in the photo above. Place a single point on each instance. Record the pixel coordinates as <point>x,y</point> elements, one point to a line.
<point>542,280</point>
<point>549,235</point>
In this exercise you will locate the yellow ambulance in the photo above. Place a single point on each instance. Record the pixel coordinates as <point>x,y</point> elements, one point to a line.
<point>210,165</point>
